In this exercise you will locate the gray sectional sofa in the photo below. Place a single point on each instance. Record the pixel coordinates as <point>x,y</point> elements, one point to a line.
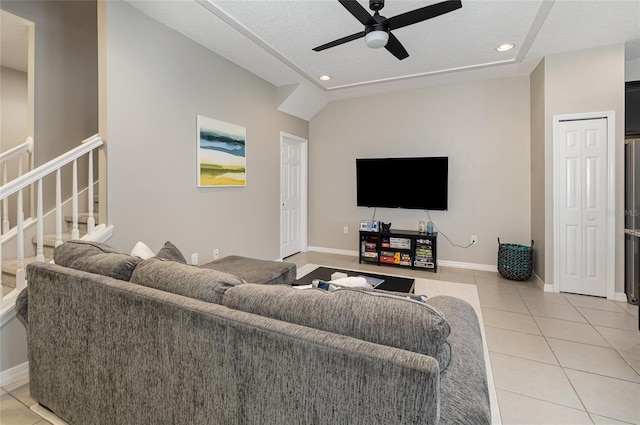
<point>114,339</point>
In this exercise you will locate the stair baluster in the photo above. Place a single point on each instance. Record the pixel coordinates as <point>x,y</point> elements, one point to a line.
<point>5,202</point>
<point>58,209</point>
<point>20,274</point>
<point>40,228</point>
<point>91,222</point>
<point>75,232</point>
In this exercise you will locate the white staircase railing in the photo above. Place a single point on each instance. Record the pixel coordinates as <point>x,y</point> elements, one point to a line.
<point>35,176</point>
<point>5,158</point>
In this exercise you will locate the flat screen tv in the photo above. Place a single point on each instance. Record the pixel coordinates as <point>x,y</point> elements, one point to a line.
<point>412,183</point>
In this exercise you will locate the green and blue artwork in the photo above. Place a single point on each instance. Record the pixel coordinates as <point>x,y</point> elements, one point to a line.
<point>222,159</point>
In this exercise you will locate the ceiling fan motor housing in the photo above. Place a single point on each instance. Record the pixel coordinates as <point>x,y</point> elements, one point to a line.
<point>377,26</point>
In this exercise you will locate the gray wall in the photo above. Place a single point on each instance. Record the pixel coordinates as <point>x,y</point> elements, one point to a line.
<point>538,169</point>
<point>13,344</point>
<point>157,82</point>
<point>483,127</point>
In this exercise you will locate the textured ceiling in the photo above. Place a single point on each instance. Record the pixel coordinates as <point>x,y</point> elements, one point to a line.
<point>274,38</point>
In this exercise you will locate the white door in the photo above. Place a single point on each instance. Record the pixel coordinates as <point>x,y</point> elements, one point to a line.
<point>291,194</point>
<point>582,204</point>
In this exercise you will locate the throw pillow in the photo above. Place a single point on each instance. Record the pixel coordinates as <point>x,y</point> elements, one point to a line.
<point>171,252</point>
<point>370,315</point>
<point>140,249</point>
<point>184,279</point>
<point>95,257</point>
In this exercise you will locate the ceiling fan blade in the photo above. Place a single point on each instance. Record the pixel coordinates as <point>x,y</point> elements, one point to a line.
<point>340,41</point>
<point>422,14</point>
<point>357,10</point>
<point>396,48</point>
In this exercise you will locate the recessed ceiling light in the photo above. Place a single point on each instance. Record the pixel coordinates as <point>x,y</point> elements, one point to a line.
<point>505,47</point>
<point>324,77</point>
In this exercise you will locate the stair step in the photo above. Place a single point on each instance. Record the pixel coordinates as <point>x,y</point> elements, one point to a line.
<point>82,218</point>
<point>49,242</point>
<point>82,221</point>
<point>50,239</point>
<point>10,268</point>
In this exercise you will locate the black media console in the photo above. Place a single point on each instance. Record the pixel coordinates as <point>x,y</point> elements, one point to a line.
<point>401,248</point>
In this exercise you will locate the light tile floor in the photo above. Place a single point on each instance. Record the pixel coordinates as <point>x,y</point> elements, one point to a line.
<point>556,358</point>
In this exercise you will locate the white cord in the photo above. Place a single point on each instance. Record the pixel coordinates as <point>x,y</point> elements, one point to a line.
<point>445,236</point>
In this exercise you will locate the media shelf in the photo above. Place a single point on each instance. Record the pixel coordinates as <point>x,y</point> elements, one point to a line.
<point>400,248</point>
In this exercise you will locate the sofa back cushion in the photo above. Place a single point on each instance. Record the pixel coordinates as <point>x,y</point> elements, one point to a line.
<point>368,315</point>
<point>95,257</point>
<point>184,279</point>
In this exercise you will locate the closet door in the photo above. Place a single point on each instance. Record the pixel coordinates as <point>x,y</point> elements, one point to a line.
<point>581,206</point>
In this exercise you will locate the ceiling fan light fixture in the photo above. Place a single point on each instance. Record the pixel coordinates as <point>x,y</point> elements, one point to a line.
<point>376,39</point>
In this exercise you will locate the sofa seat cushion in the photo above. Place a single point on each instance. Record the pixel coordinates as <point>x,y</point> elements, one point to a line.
<point>372,316</point>
<point>255,271</point>
<point>184,279</point>
<point>95,257</point>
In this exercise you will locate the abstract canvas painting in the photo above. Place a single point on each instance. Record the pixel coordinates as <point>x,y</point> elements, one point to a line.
<point>222,157</point>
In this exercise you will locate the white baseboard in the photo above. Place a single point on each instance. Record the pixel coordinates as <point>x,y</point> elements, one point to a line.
<point>333,251</point>
<point>548,287</point>
<point>457,264</point>
<point>621,296</point>
<point>14,374</point>
<point>472,266</point>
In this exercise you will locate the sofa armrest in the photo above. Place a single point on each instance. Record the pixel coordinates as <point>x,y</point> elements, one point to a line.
<point>463,385</point>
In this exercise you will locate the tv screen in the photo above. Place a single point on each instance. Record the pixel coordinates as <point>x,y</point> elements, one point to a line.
<point>412,183</point>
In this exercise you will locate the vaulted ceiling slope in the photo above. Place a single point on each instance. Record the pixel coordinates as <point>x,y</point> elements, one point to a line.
<point>274,39</point>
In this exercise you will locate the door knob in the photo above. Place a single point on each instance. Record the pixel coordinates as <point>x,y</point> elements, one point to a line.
<point>592,218</point>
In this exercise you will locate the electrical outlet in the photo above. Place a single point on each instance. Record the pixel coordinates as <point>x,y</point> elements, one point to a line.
<point>216,254</point>
<point>194,258</point>
<point>346,230</point>
<point>474,239</point>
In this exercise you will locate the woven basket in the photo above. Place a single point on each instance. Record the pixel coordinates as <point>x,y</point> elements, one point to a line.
<point>515,262</point>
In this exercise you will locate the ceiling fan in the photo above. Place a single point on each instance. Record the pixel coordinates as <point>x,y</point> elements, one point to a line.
<point>377,28</point>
